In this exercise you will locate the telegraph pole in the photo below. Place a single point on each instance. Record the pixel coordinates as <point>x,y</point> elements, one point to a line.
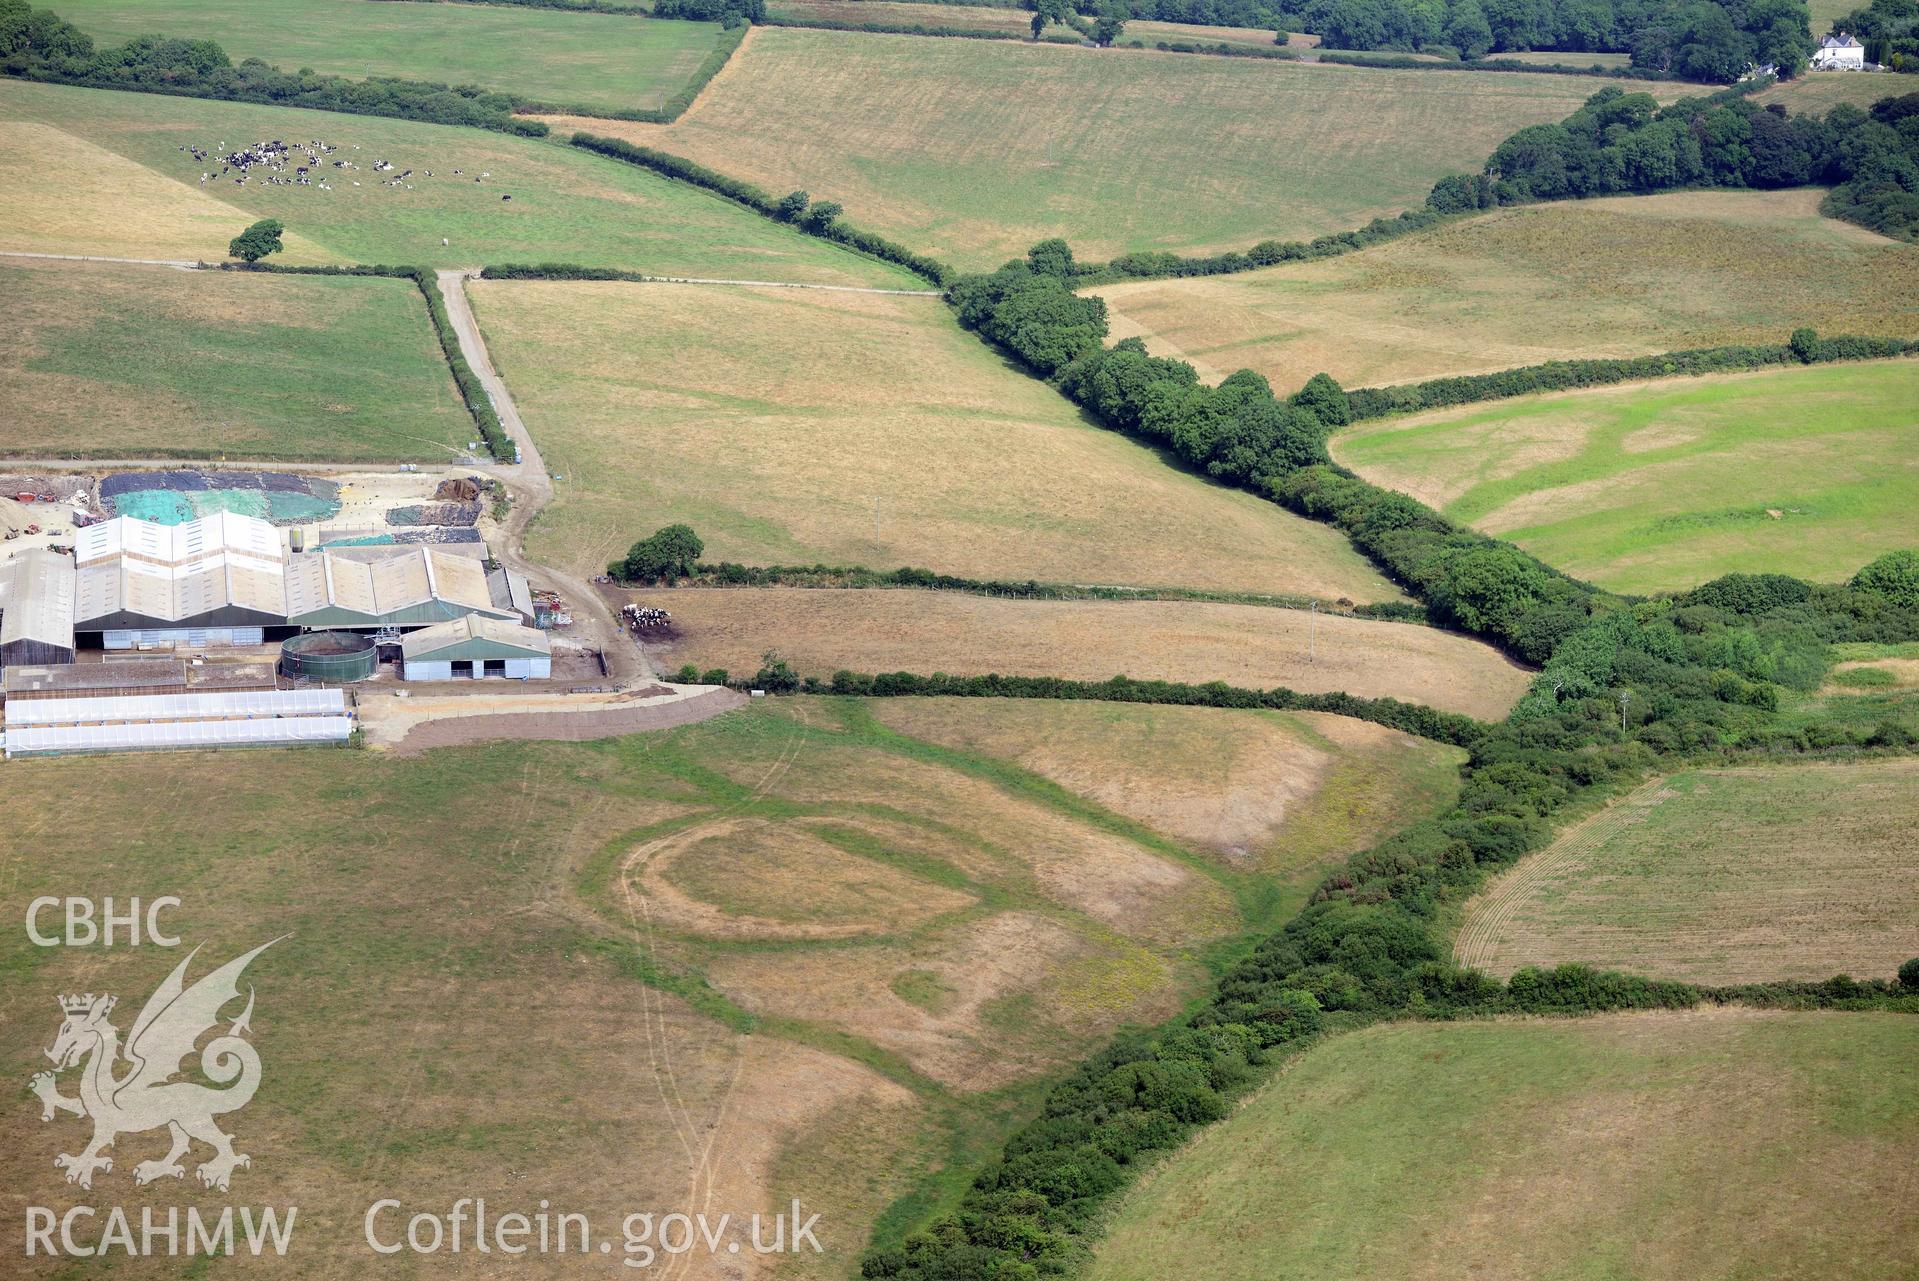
<point>876,520</point>
<point>1312,633</point>
<point>1625,697</point>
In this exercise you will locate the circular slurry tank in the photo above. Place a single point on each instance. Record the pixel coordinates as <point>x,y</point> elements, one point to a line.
<point>334,657</point>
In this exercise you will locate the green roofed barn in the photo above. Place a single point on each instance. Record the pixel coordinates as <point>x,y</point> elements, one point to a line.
<point>476,647</point>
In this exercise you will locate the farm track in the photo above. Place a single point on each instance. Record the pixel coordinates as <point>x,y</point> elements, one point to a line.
<point>181,263</point>
<point>626,663</point>
<point>1479,937</point>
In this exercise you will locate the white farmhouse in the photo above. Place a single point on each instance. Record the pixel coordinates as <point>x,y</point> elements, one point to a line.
<point>1839,52</point>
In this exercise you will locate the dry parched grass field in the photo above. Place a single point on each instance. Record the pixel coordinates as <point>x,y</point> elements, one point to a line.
<point>1590,278</point>
<point>1709,1145</point>
<point>1721,876</point>
<point>1278,792</point>
<point>128,361</point>
<point>62,194</point>
<point>972,150</point>
<point>820,630</point>
<point>787,952</point>
<point>775,422</point>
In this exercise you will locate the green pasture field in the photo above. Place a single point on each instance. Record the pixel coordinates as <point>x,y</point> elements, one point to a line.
<point>1626,276</point>
<point>1698,1146</point>
<point>844,957</point>
<point>972,150</point>
<point>130,361</point>
<point>613,62</point>
<point>1739,875</point>
<point>1661,486</point>
<point>566,206</point>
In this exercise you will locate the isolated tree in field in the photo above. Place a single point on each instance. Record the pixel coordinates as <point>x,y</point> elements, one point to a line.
<point>1112,21</point>
<point>668,554</point>
<point>257,241</point>
<point>792,206</point>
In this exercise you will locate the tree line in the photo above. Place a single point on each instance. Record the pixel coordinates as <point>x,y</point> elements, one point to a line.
<point>1627,143</point>
<point>1695,39</point>
<point>38,44</point>
<point>1626,687</point>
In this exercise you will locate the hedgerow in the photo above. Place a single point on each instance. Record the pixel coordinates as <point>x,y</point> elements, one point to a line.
<point>1625,685</point>
<point>1566,375</point>
<point>807,217</point>
<point>37,44</point>
<point>1413,718</point>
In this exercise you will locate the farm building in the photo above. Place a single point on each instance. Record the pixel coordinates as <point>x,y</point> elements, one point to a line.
<point>98,680</point>
<point>225,719</point>
<point>220,580</point>
<point>1839,52</point>
<point>227,579</point>
<point>476,647</point>
<point>36,608</point>
<point>418,587</point>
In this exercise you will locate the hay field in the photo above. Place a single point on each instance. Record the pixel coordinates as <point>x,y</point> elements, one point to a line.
<point>982,18</point>
<point>1695,1146</point>
<point>92,171</point>
<point>1590,278</point>
<point>1819,92</point>
<point>820,630</point>
<point>609,974</point>
<point>120,361</point>
<point>972,150</point>
<point>772,421</point>
<point>1721,876</point>
<point>608,61</point>
<point>1661,486</point>
<point>1280,793</point>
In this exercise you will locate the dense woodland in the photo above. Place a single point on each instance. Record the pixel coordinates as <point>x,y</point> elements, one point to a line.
<point>1626,143</point>
<point>1703,40</point>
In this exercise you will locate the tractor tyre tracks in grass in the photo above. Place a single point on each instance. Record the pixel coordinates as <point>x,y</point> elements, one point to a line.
<point>1479,937</point>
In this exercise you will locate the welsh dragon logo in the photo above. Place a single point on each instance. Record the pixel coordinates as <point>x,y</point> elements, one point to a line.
<point>129,1089</point>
